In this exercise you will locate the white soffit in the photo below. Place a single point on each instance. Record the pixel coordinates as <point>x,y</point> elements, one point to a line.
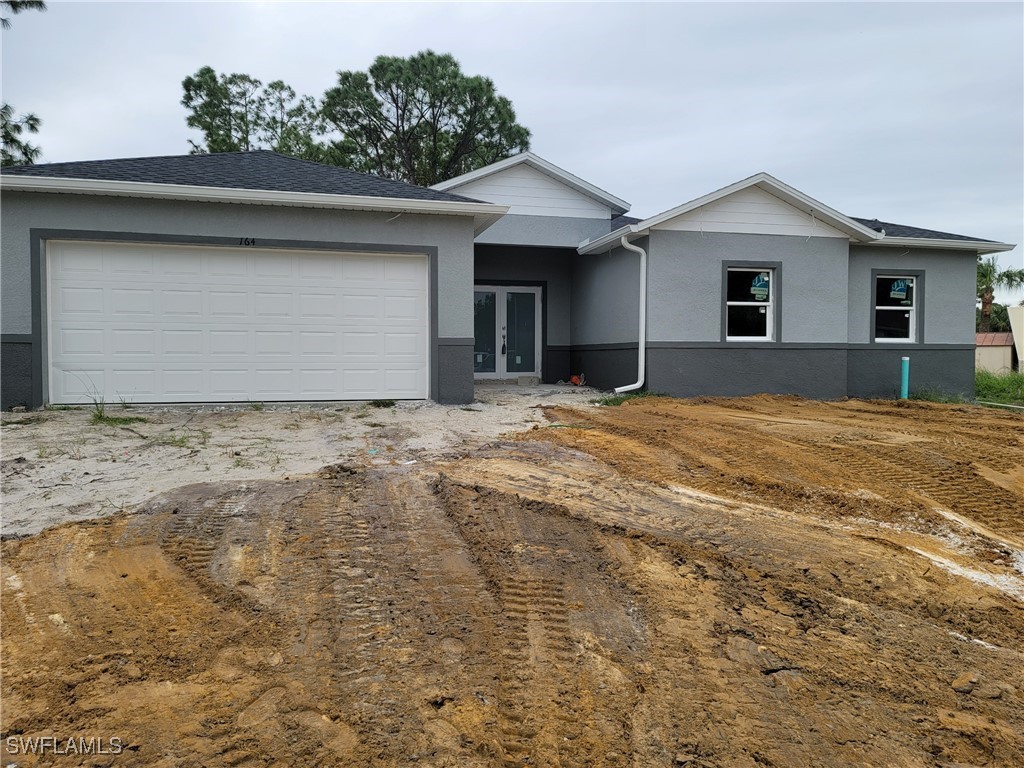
<point>616,205</point>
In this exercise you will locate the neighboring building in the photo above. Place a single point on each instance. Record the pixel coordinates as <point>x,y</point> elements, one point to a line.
<point>254,276</point>
<point>995,352</point>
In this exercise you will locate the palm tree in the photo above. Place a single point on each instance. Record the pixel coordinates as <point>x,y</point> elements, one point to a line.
<point>991,277</point>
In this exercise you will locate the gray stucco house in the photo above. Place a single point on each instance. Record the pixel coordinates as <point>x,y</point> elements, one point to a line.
<point>255,276</point>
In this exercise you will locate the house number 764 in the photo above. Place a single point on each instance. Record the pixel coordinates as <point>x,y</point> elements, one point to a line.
<point>247,241</point>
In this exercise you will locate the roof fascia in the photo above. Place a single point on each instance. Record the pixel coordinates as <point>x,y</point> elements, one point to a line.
<point>484,214</point>
<point>618,205</point>
<point>975,246</point>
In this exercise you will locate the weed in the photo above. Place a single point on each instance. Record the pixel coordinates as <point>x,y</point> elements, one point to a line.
<point>256,406</point>
<point>936,396</point>
<point>99,417</point>
<point>381,403</point>
<point>1000,387</point>
<point>44,452</point>
<point>620,399</point>
<point>172,441</point>
<point>242,463</point>
<point>125,405</point>
<point>53,407</point>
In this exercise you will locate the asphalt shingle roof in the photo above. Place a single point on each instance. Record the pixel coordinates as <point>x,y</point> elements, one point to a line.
<point>618,222</point>
<point>903,230</point>
<point>259,169</point>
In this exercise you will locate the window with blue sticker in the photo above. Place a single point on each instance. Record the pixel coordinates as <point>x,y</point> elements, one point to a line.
<point>895,308</point>
<point>750,304</point>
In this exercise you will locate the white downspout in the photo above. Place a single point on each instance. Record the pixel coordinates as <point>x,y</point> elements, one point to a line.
<point>642,351</point>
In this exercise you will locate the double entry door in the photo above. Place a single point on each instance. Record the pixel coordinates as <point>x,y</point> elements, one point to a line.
<point>507,331</point>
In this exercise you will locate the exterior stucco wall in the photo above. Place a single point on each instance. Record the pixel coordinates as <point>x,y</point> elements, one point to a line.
<point>606,297</point>
<point>448,240</point>
<point>545,231</point>
<point>685,284</point>
<point>949,291</point>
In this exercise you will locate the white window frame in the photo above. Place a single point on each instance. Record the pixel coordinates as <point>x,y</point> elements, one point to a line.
<point>915,282</point>
<point>769,306</point>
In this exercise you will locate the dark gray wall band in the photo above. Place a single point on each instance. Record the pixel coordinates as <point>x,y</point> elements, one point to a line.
<point>875,372</point>
<point>454,372</point>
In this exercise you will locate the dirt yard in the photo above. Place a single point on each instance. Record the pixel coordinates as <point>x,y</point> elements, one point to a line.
<point>752,582</point>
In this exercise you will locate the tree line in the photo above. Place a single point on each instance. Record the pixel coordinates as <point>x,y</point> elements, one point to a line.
<point>418,119</point>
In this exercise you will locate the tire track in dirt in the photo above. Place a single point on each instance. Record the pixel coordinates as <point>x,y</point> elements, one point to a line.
<point>558,705</point>
<point>665,603</point>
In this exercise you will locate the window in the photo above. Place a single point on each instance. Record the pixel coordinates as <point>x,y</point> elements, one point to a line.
<point>749,304</point>
<point>895,308</point>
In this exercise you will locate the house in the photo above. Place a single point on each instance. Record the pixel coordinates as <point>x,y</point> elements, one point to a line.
<point>255,276</point>
<point>994,352</point>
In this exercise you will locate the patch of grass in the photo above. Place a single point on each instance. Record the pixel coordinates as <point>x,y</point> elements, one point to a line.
<point>381,403</point>
<point>52,407</point>
<point>173,441</point>
<point>256,406</point>
<point>936,396</point>
<point>999,387</point>
<point>100,416</point>
<point>620,399</point>
<point>116,421</point>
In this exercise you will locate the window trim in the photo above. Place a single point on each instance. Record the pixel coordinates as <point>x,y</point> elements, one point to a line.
<point>917,311</point>
<point>775,324</point>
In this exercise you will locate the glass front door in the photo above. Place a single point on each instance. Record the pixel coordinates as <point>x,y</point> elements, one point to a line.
<point>506,326</point>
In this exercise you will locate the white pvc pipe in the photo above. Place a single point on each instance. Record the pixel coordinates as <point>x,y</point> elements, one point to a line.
<point>642,351</point>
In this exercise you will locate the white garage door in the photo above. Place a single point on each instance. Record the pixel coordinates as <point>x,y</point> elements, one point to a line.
<point>168,323</point>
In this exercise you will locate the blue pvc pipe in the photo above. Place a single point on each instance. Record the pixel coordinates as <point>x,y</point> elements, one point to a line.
<point>904,378</point>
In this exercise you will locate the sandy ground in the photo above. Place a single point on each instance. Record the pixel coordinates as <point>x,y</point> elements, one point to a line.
<point>59,466</point>
<point>750,582</point>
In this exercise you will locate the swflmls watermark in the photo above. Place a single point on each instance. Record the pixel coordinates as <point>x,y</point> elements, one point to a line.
<point>55,745</point>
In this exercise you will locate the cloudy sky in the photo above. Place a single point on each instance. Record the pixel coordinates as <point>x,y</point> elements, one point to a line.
<point>912,112</point>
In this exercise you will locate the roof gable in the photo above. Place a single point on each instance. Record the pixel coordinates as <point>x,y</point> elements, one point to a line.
<point>751,210</point>
<point>533,185</point>
<point>795,199</point>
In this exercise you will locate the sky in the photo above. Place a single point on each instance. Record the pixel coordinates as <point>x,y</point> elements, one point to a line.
<point>907,112</point>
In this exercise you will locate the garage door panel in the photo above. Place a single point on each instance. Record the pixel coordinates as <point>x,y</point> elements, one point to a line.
<point>80,341</point>
<point>155,323</point>
<point>181,303</point>
<point>229,304</point>
<point>274,305</point>
<point>134,383</point>
<point>134,343</point>
<point>80,301</point>
<point>131,301</point>
<point>182,343</point>
<point>184,384</point>
<point>318,306</point>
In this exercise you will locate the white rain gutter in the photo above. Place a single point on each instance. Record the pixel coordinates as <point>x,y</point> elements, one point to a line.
<point>642,350</point>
